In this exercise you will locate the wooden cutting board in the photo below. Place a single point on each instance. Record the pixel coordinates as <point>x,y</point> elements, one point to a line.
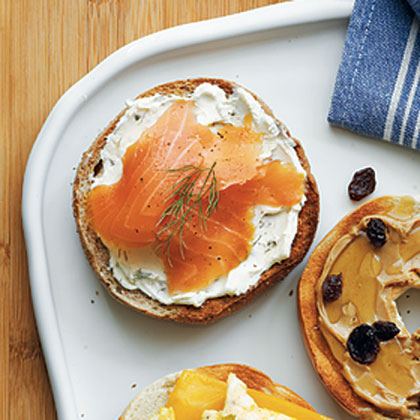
<point>45,47</point>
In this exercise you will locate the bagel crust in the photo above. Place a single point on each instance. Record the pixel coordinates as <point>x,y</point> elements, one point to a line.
<point>214,308</point>
<point>329,369</point>
<point>152,398</point>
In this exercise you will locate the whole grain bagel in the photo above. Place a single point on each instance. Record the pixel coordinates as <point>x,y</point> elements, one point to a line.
<point>214,308</point>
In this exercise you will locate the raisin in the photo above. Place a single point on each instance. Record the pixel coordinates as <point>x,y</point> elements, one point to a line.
<point>332,287</point>
<point>363,345</point>
<point>385,330</point>
<point>362,184</point>
<point>376,232</point>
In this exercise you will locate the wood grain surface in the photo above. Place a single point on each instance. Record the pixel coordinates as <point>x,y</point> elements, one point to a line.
<point>46,46</point>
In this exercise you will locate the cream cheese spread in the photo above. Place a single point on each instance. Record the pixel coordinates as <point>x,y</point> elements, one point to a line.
<point>276,227</point>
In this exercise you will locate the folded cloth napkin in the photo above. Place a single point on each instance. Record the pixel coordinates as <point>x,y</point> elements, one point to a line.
<point>415,4</point>
<point>377,90</point>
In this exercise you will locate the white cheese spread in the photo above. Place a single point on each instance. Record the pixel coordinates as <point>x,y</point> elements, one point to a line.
<point>240,406</point>
<point>276,227</point>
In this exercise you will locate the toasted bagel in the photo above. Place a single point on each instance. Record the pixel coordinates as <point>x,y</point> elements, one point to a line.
<point>152,398</point>
<point>214,308</point>
<point>400,214</point>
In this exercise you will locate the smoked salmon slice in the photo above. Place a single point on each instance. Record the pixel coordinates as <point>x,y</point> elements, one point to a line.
<point>226,241</point>
<point>130,212</point>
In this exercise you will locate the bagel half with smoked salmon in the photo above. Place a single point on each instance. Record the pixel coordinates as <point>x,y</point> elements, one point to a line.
<point>193,201</point>
<point>214,392</point>
<point>354,334</point>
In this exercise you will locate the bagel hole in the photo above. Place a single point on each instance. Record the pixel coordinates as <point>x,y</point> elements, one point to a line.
<point>409,308</point>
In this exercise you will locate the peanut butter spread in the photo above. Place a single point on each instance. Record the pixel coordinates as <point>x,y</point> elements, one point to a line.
<point>373,278</point>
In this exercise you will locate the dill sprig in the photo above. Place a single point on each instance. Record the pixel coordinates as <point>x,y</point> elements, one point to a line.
<point>184,201</point>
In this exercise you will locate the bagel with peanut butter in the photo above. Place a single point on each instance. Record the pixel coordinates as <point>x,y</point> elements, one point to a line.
<point>217,392</point>
<point>193,201</point>
<point>353,332</point>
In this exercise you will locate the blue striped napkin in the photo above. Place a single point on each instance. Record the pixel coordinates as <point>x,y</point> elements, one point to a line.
<point>377,90</point>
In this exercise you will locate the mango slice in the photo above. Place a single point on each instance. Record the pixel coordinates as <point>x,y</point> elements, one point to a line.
<point>195,392</point>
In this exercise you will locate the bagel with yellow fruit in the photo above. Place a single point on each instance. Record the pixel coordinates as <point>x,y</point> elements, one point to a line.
<point>226,391</point>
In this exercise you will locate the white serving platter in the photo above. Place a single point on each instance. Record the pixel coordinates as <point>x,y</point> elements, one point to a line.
<point>99,353</point>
